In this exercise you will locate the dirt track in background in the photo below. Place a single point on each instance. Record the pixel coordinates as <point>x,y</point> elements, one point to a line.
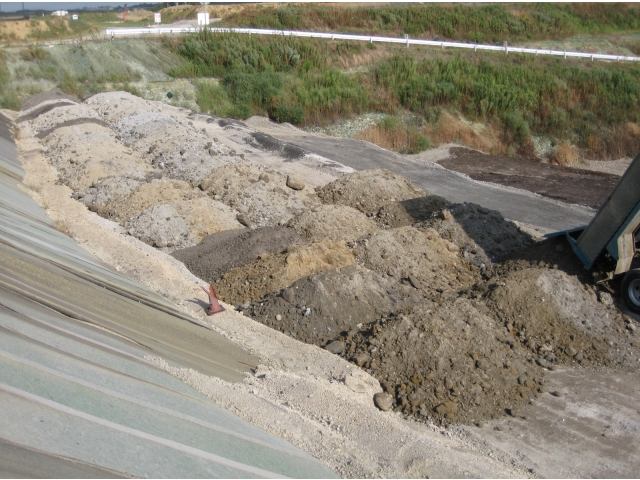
<point>570,185</point>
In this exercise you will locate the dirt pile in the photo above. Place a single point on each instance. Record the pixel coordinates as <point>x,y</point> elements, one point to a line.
<point>320,308</point>
<point>264,196</point>
<point>223,251</point>
<point>335,222</point>
<point>409,212</point>
<point>444,363</point>
<point>72,151</point>
<point>483,235</point>
<point>179,149</point>
<point>368,190</point>
<point>271,273</point>
<point>420,258</point>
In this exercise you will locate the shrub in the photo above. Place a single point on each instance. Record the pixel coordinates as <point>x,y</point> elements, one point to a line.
<point>288,113</point>
<point>33,53</point>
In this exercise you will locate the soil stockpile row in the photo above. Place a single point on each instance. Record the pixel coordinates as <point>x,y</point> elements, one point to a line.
<point>455,310</point>
<point>221,252</point>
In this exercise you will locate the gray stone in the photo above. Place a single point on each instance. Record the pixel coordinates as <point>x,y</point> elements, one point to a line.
<point>264,177</point>
<point>336,347</point>
<point>289,295</point>
<point>578,356</point>
<point>244,220</point>
<point>294,182</point>
<point>383,401</point>
<point>605,298</point>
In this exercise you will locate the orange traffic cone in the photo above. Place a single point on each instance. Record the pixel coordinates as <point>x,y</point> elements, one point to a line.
<point>214,305</point>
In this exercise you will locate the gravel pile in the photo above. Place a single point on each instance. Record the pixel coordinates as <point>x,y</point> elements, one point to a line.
<point>349,128</point>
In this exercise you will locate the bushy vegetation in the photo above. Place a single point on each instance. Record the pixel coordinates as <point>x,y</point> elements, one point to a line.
<point>567,100</point>
<point>290,79</point>
<point>293,80</point>
<point>486,23</point>
<point>7,99</point>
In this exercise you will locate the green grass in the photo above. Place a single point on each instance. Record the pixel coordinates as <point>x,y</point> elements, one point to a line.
<point>477,23</point>
<point>288,78</point>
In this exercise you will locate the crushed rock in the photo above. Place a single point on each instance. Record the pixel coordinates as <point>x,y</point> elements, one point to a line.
<point>261,194</point>
<point>368,190</point>
<point>323,307</point>
<point>335,222</point>
<point>221,252</point>
<point>271,273</point>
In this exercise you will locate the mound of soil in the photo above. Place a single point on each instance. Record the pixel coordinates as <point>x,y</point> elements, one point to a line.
<point>263,196</point>
<point>162,227</point>
<point>100,193</point>
<point>148,195</point>
<point>444,363</point>
<point>422,257</point>
<point>409,212</point>
<point>180,225</point>
<point>483,235</point>
<point>368,190</point>
<point>181,150</point>
<point>86,153</point>
<point>271,273</point>
<point>320,308</point>
<point>335,222</point>
<point>223,251</point>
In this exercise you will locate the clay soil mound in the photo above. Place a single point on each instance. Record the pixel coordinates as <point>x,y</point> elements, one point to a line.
<point>422,257</point>
<point>271,273</point>
<point>368,190</point>
<point>484,235</point>
<point>223,251</point>
<point>410,212</point>
<point>444,363</point>
<point>320,308</point>
<point>335,222</point>
<point>260,194</point>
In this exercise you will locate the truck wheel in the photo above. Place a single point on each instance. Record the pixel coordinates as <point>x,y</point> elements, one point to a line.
<point>631,290</point>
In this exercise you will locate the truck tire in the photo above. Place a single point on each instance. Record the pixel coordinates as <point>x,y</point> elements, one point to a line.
<point>631,289</point>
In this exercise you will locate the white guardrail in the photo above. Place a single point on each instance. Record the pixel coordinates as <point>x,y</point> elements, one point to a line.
<point>111,32</point>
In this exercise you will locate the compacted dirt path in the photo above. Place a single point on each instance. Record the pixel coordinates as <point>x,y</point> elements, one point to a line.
<point>518,205</point>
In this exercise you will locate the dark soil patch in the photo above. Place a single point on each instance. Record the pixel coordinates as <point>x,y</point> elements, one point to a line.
<point>216,254</point>
<point>566,184</point>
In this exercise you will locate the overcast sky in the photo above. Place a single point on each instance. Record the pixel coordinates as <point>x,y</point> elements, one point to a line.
<point>52,6</point>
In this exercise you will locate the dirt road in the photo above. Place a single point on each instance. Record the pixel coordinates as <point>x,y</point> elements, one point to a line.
<point>514,204</point>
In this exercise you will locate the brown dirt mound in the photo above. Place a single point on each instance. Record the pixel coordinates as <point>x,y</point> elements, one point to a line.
<point>409,212</point>
<point>335,222</point>
<point>484,354</point>
<point>483,235</point>
<point>368,190</point>
<point>271,273</point>
<point>421,257</point>
<point>223,251</point>
<point>444,362</point>
<point>149,195</point>
<point>319,308</point>
<point>261,194</point>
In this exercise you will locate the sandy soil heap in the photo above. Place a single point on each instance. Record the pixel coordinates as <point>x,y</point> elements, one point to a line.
<point>368,190</point>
